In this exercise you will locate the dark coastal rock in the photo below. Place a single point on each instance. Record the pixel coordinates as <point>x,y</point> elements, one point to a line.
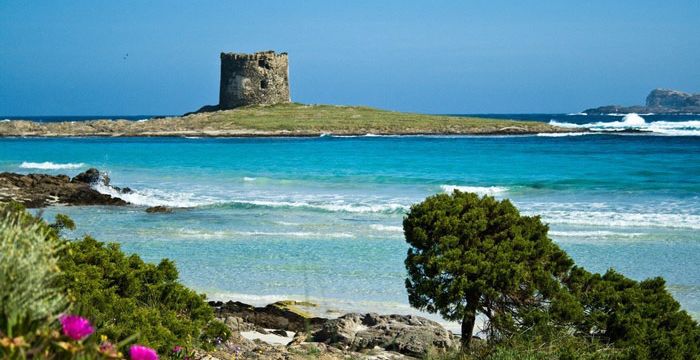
<point>406,334</point>
<point>91,176</point>
<point>283,315</point>
<point>159,209</point>
<point>40,190</point>
<point>659,101</point>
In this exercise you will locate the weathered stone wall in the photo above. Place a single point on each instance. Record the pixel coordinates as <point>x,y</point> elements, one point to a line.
<point>249,79</point>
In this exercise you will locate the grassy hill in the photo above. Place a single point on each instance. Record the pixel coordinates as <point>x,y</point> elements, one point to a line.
<point>291,119</point>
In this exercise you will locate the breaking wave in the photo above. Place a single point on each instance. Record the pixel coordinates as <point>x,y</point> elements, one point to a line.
<point>622,219</point>
<point>204,234</point>
<point>47,165</point>
<point>387,228</point>
<point>594,234</point>
<point>563,134</point>
<point>634,122</point>
<point>330,207</point>
<point>154,197</point>
<point>481,190</point>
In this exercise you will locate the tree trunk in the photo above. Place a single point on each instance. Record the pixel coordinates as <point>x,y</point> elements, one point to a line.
<point>468,321</point>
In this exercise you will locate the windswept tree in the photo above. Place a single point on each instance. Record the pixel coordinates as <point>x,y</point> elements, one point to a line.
<point>472,255</point>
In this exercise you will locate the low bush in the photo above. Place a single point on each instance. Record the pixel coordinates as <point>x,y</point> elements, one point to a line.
<point>43,275</point>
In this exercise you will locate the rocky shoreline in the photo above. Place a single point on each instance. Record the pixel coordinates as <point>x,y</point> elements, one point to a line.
<point>41,190</point>
<point>282,330</point>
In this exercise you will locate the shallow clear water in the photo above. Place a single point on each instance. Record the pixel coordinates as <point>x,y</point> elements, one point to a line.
<point>320,218</point>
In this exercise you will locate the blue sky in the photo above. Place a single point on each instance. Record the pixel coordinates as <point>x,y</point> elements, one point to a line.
<point>67,57</point>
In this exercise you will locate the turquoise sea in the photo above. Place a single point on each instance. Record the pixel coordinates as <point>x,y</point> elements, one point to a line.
<point>261,219</point>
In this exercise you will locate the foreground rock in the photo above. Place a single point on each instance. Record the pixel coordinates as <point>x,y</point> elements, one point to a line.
<point>659,101</point>
<point>40,190</point>
<point>406,334</point>
<point>283,315</point>
<point>282,331</point>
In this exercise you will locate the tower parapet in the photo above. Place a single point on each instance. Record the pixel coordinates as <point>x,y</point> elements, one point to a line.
<point>250,79</point>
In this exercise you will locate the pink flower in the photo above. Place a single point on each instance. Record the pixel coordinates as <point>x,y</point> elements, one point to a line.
<point>177,348</point>
<point>140,352</point>
<point>76,327</point>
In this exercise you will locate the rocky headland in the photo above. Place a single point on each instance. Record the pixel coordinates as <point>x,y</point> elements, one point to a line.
<point>283,330</point>
<point>41,190</point>
<point>659,101</point>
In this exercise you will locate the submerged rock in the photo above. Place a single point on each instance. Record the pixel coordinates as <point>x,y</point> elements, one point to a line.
<point>40,190</point>
<point>158,209</point>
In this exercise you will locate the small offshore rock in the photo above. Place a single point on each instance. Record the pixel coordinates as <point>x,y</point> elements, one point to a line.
<point>159,209</point>
<point>91,176</point>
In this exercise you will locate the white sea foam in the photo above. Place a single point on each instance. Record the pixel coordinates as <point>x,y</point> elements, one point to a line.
<point>622,219</point>
<point>155,197</point>
<point>47,165</point>
<point>595,234</point>
<point>248,179</point>
<point>332,207</point>
<point>387,228</point>
<point>481,190</point>
<point>636,122</point>
<point>563,134</point>
<point>206,234</point>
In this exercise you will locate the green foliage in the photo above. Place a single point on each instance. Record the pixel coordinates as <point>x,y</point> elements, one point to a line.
<point>124,295</point>
<point>29,294</point>
<point>640,317</point>
<point>472,255</point>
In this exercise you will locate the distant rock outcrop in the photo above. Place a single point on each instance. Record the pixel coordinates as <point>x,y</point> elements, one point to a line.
<point>659,101</point>
<point>40,190</point>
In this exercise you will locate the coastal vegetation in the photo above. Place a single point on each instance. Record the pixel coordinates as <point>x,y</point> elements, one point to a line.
<point>470,258</point>
<point>288,119</point>
<point>102,300</point>
<point>475,256</point>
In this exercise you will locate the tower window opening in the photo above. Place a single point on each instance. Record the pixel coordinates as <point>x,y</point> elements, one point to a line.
<point>263,64</point>
<point>263,84</point>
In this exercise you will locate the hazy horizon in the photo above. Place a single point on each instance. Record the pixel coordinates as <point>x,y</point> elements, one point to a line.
<point>482,57</point>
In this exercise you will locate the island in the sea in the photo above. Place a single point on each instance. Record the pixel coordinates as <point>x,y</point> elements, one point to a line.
<point>659,101</point>
<point>254,100</point>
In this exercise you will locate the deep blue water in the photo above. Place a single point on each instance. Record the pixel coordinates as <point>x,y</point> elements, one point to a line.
<point>320,218</point>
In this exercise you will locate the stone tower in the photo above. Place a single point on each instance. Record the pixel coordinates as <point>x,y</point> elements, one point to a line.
<point>249,79</point>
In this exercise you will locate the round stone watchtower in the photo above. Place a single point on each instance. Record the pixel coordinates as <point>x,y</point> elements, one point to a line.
<point>249,79</point>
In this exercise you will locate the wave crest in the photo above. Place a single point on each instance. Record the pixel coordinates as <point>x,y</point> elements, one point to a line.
<point>637,123</point>
<point>48,165</point>
<point>481,190</point>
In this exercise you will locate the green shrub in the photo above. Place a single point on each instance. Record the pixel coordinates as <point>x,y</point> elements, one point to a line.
<point>30,296</point>
<point>42,275</point>
<point>641,317</point>
<point>470,255</point>
<point>124,295</point>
